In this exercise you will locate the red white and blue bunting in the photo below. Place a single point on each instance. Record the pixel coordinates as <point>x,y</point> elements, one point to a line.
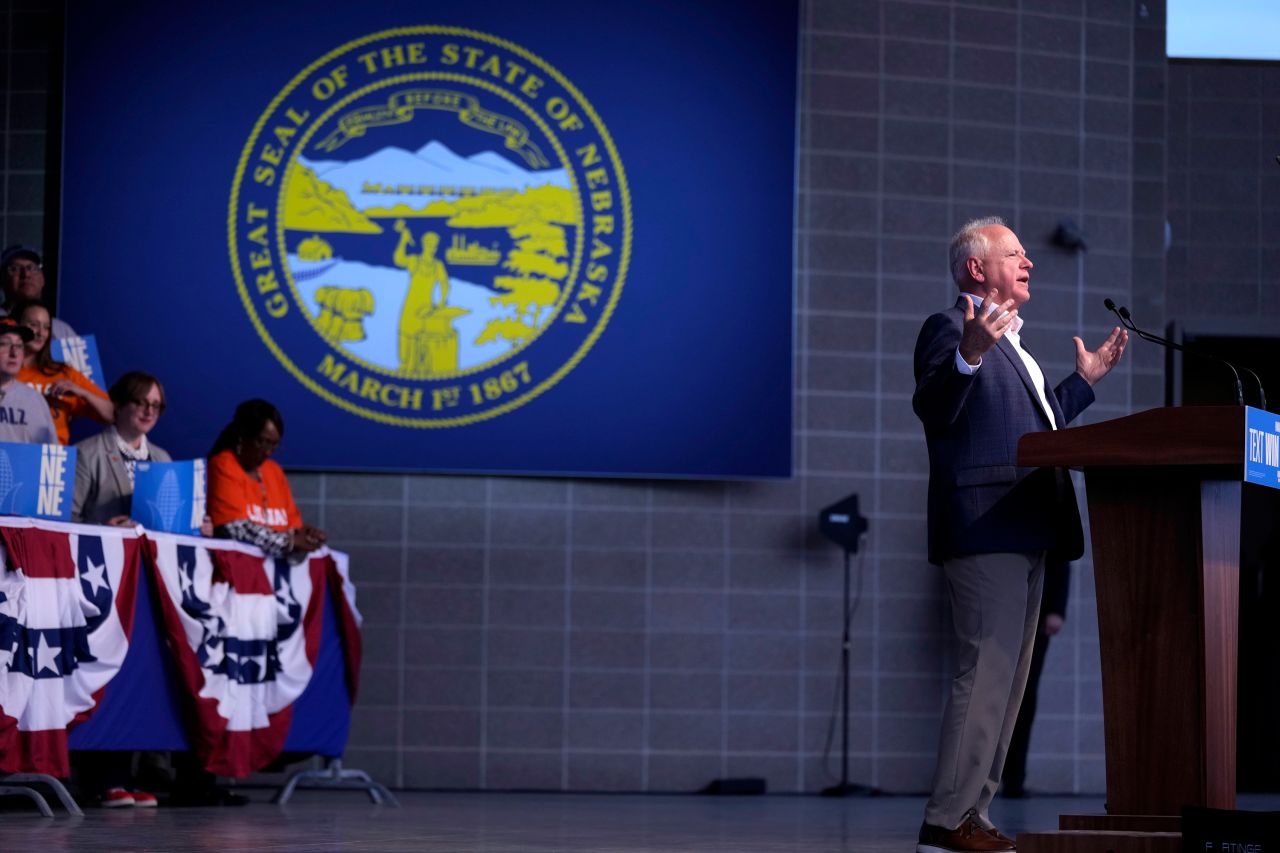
<point>67,595</point>
<point>243,628</point>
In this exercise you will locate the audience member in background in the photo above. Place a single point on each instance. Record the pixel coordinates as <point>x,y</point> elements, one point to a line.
<point>104,495</point>
<point>24,282</point>
<point>249,499</point>
<point>69,393</point>
<point>24,415</point>
<point>1053,615</point>
<point>105,462</point>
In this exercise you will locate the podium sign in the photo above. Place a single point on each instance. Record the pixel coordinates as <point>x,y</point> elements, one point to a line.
<point>81,352</point>
<point>1262,448</point>
<point>36,480</point>
<point>169,496</point>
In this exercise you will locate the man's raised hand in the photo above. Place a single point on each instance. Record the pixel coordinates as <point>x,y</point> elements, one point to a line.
<point>1097,364</point>
<point>982,331</point>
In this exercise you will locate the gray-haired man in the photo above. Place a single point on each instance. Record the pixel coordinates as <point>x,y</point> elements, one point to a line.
<point>991,523</point>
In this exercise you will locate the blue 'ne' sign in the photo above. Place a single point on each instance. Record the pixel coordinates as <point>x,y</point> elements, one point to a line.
<point>37,480</point>
<point>1262,448</point>
<point>81,352</point>
<point>169,496</point>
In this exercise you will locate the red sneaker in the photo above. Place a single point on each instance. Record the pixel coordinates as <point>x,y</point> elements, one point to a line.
<point>143,800</point>
<point>117,798</point>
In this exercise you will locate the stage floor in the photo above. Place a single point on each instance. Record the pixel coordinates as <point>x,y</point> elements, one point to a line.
<point>521,823</point>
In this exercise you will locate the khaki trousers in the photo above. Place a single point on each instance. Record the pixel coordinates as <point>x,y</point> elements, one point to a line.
<point>995,606</point>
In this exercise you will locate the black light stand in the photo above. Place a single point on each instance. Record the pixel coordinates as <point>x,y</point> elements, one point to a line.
<point>844,525</point>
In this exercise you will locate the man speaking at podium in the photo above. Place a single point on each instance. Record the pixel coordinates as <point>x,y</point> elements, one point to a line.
<point>991,523</point>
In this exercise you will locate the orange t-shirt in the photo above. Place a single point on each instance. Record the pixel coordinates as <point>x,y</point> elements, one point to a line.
<point>67,407</point>
<point>234,495</point>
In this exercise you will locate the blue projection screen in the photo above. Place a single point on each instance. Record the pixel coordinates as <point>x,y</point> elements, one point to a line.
<point>501,237</point>
<point>1241,29</point>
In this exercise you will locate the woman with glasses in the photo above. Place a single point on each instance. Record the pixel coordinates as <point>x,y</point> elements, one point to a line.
<point>249,498</point>
<point>69,392</point>
<point>105,463</point>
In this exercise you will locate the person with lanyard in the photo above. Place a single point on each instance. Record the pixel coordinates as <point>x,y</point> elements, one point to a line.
<point>992,524</point>
<point>70,394</point>
<point>249,499</point>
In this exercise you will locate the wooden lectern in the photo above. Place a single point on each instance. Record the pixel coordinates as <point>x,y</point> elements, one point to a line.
<point>1163,491</point>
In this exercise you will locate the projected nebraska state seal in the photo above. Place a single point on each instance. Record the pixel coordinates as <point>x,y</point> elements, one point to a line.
<point>429,226</point>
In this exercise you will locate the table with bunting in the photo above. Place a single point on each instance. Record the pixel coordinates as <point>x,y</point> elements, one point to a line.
<point>127,639</point>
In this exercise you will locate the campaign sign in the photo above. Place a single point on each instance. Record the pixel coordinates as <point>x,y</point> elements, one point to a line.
<point>81,352</point>
<point>1262,448</point>
<point>169,496</point>
<point>485,236</point>
<point>37,480</point>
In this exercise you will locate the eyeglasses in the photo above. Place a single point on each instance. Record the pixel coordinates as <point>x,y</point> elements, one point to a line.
<point>148,406</point>
<point>24,269</point>
<point>37,327</point>
<point>266,445</point>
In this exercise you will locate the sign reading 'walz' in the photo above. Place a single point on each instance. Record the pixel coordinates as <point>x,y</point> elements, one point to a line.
<point>1262,448</point>
<point>466,286</point>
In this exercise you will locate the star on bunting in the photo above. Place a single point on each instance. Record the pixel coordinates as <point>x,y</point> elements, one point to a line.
<point>95,577</point>
<point>46,656</point>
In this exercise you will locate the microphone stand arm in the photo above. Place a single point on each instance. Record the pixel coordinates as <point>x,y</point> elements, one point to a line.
<point>1128,323</point>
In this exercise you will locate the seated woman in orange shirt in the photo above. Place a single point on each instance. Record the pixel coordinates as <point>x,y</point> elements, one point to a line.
<point>69,392</point>
<point>249,499</point>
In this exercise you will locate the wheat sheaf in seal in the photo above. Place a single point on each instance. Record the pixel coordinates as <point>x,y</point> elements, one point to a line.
<point>429,226</point>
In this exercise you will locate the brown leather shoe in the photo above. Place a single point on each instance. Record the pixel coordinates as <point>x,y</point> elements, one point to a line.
<point>968,837</point>
<point>1000,835</point>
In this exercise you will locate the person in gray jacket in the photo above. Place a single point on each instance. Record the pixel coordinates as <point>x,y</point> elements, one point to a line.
<point>105,462</point>
<point>24,412</point>
<point>104,495</point>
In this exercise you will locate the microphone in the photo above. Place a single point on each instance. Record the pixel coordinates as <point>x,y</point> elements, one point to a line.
<point>1262,394</point>
<point>1127,321</point>
<point>1111,306</point>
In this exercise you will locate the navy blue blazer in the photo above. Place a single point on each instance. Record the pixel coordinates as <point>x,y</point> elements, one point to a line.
<point>980,500</point>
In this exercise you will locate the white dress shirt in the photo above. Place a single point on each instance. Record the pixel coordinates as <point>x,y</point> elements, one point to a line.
<point>1012,335</point>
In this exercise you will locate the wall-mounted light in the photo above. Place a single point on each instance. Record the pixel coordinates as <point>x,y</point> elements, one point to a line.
<point>1069,236</point>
